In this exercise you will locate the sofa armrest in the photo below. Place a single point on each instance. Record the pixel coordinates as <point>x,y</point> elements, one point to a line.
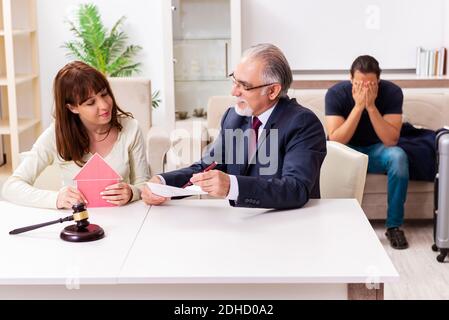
<point>157,145</point>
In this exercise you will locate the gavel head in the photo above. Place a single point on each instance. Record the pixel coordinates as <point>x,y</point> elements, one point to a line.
<point>80,215</point>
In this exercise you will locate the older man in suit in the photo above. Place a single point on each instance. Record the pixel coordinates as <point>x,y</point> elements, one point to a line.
<point>270,149</point>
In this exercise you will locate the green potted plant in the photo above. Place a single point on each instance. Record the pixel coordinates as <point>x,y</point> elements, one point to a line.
<point>156,99</point>
<point>103,49</point>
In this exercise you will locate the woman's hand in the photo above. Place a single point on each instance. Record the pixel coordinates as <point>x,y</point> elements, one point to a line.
<point>69,196</point>
<point>118,194</point>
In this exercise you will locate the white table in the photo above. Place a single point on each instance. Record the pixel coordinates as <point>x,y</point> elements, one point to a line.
<point>201,249</point>
<point>205,249</point>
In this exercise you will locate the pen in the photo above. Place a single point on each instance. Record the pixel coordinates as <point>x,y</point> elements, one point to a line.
<point>209,167</point>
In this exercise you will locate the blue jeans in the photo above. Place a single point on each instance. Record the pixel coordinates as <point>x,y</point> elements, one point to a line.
<point>394,162</point>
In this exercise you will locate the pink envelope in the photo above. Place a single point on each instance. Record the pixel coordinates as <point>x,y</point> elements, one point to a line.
<point>93,178</point>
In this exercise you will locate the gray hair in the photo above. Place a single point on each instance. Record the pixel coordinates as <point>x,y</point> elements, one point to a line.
<point>276,67</point>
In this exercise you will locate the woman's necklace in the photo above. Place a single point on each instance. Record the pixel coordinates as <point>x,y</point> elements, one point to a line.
<point>107,134</point>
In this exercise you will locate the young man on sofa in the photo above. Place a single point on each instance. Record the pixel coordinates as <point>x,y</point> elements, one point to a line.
<point>366,114</point>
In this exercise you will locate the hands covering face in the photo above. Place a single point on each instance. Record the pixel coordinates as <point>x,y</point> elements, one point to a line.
<point>364,93</point>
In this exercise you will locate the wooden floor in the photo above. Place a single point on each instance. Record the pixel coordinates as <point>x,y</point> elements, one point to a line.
<point>421,276</point>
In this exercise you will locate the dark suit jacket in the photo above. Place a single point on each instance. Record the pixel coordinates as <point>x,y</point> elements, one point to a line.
<point>296,156</point>
<point>419,145</point>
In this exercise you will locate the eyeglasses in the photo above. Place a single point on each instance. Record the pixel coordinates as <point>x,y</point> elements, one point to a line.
<point>244,86</point>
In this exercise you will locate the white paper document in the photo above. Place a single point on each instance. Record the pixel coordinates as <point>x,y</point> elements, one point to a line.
<point>169,191</point>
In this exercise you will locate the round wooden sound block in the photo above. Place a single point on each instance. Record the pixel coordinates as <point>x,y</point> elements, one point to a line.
<point>74,234</point>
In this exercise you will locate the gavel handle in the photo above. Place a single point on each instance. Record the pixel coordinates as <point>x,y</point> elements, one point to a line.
<point>40,225</point>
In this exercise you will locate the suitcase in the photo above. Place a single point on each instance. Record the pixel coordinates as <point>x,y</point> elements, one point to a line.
<point>441,197</point>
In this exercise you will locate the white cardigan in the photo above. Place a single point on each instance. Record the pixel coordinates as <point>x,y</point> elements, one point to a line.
<point>127,158</point>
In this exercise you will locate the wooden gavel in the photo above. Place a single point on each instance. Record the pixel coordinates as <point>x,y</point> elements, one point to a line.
<point>82,231</point>
<point>80,215</point>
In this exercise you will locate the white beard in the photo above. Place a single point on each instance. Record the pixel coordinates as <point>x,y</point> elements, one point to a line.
<point>245,112</point>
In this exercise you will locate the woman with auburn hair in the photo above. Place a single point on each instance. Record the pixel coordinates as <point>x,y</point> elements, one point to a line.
<point>87,121</point>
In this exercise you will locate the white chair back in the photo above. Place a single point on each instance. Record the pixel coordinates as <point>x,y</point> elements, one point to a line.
<point>343,172</point>
<point>134,95</point>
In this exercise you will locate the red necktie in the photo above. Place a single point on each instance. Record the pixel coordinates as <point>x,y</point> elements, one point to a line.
<point>255,126</point>
<point>254,136</point>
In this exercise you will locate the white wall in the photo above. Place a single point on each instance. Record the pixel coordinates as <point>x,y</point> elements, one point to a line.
<point>329,34</point>
<point>144,26</point>
<point>445,13</point>
<point>149,20</point>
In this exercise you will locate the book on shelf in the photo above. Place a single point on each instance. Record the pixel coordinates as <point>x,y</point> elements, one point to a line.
<point>431,62</point>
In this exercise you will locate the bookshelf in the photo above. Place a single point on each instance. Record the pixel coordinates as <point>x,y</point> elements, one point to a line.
<point>20,112</point>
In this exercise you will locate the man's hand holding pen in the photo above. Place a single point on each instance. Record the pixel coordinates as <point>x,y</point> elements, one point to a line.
<point>215,182</point>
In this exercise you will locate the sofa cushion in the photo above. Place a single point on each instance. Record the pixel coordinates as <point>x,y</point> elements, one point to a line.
<point>418,205</point>
<point>377,183</point>
<point>428,110</point>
